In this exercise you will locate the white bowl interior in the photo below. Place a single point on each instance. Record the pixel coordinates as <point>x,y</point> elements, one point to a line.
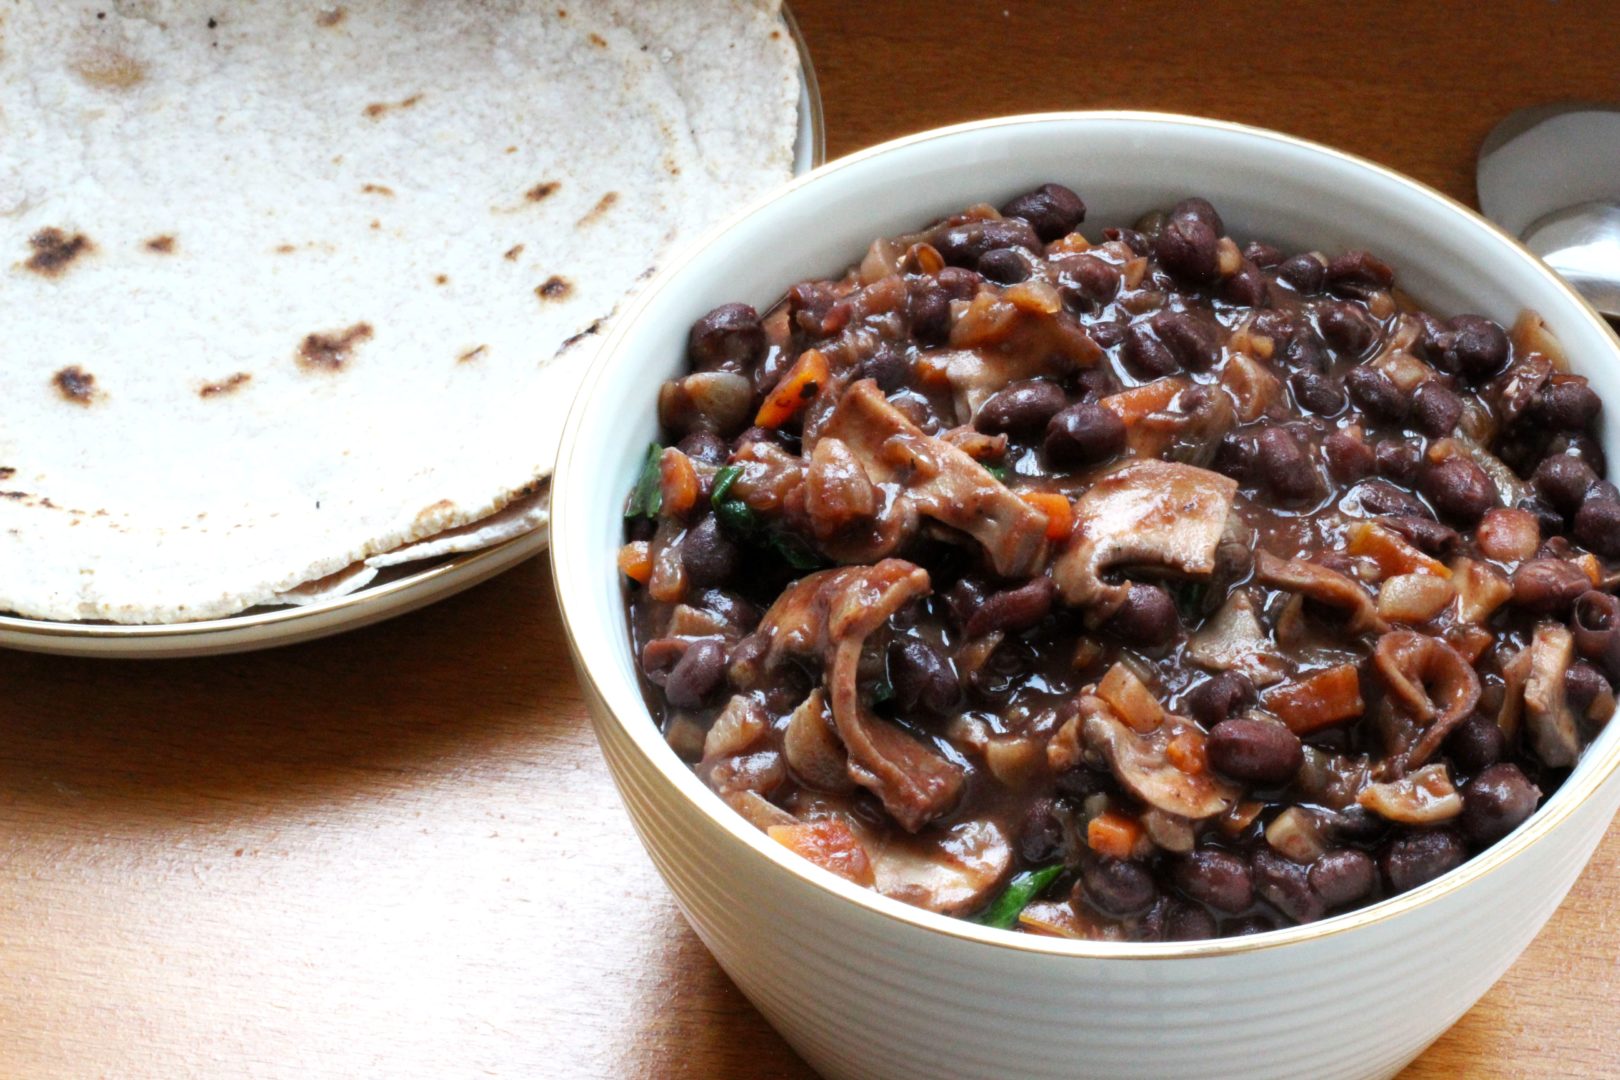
<point>1265,186</point>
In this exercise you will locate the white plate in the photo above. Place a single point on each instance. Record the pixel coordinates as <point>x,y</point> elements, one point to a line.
<point>406,590</point>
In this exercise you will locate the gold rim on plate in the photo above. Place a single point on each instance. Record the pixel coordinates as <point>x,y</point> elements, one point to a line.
<point>1599,762</point>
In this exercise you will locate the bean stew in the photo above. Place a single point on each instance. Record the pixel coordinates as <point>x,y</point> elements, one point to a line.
<point>1153,586</point>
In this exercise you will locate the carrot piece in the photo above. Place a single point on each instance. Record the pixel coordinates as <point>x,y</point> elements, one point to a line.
<point>1326,698</point>
<point>802,382</point>
<point>679,482</point>
<point>831,845</point>
<point>1059,513</point>
<point>1133,404</point>
<point>635,561</point>
<point>1186,752</point>
<point>1392,554</point>
<point>1113,834</point>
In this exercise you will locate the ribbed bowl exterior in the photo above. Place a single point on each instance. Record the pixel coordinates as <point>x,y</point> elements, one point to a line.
<point>861,996</point>
<point>864,987</point>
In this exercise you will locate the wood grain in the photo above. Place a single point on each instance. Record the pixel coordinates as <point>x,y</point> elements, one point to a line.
<point>397,853</point>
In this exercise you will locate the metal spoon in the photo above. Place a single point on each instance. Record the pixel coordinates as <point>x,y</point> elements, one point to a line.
<point>1550,174</point>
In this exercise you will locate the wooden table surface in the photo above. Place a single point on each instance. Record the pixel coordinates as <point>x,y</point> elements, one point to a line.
<point>397,853</point>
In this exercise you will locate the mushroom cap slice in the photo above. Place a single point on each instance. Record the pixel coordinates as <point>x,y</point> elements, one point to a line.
<point>1431,681</point>
<point>951,872</point>
<point>1321,584</point>
<point>1153,514</point>
<point>941,481</point>
<point>1549,721</point>
<point>1234,640</point>
<point>1141,765</point>
<point>1424,797</point>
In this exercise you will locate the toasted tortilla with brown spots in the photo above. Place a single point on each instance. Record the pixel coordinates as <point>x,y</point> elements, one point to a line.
<point>296,285</point>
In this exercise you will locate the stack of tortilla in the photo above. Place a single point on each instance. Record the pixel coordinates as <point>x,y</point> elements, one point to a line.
<point>294,291</point>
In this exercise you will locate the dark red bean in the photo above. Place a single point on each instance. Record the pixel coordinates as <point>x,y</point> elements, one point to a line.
<point>1496,802</point>
<point>1471,345</point>
<point>1548,586</point>
<point>1316,393</point>
<point>1255,751</point>
<point>697,674</point>
<point>1020,409</point>
<point>731,336</point>
<point>1012,610</point>
<point>1359,268</point>
<point>1197,209</point>
<point>1145,355</point>
<point>1217,878</point>
<point>1477,742</point>
<point>1086,280</point>
<point>1193,341</point>
<point>708,554</point>
<point>705,446</point>
<point>1236,456</point>
<point>1584,684</point>
<point>1400,461</point>
<point>1347,327</point>
<point>1248,286</point>
<point>1420,857</point>
<point>1085,433</point>
<point>1184,922</point>
<point>1426,533</point>
<point>1435,409</point>
<point>1004,266</point>
<point>962,245</point>
<point>1131,238</point>
<point>1107,333</point>
<point>1459,490</point>
<point>1285,466</point>
<point>1304,351</point>
<point>922,679</point>
<point>1305,272</point>
<point>1277,324</point>
<point>1262,255</point>
<point>1148,617</point>
<point>1097,382</point>
<point>1383,499</point>
<point>1040,837</point>
<point>1219,696</point>
<point>1186,247</point>
<point>1569,405</point>
<point>1286,886</point>
<point>1597,526</point>
<point>1375,395</point>
<point>1563,481</point>
<point>1349,458</point>
<point>930,302</point>
<point>1116,887</point>
<point>728,607</point>
<point>1052,210</point>
<point>1343,876</point>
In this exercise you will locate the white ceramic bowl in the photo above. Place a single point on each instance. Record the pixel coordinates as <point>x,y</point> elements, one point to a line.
<point>864,986</point>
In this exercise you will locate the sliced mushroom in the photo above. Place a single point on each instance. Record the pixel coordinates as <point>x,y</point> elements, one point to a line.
<point>812,748</point>
<point>1142,766</point>
<point>1549,721</point>
<point>757,809</point>
<point>1322,585</point>
<point>1169,831</point>
<point>1431,681</point>
<point>942,482</point>
<point>1152,514</point>
<point>951,872</point>
<point>1424,797</point>
<point>830,614</point>
<point>838,494</point>
<point>1234,640</point>
<point>1515,673</point>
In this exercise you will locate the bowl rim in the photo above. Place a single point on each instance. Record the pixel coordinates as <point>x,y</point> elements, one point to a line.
<point>1573,794</point>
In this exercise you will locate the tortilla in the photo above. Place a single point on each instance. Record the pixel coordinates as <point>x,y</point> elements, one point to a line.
<point>290,287</point>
